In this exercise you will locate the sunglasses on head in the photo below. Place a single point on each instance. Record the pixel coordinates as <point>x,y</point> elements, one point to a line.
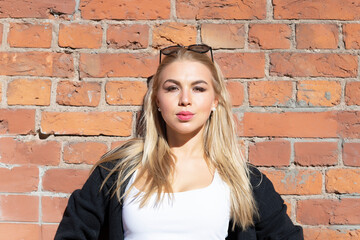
<point>199,48</point>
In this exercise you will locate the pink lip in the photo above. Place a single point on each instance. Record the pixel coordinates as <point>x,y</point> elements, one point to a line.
<point>184,115</point>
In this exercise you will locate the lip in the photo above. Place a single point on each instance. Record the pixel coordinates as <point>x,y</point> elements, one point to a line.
<point>185,115</point>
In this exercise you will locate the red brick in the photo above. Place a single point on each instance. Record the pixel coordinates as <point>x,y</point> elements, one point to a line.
<point>241,65</point>
<point>226,9</point>
<point>316,9</point>
<point>270,93</point>
<point>172,33</point>
<point>17,121</point>
<point>19,208</point>
<point>125,92</point>
<point>269,36</point>
<point>345,211</point>
<point>134,36</point>
<point>352,36</point>
<point>295,181</point>
<point>236,91</point>
<point>117,65</point>
<point>223,35</point>
<point>29,92</point>
<point>117,144</point>
<point>80,35</point>
<point>19,179</point>
<point>87,123</point>
<point>351,153</point>
<point>1,33</point>
<point>316,153</point>
<point>36,9</point>
<point>343,181</point>
<point>48,231</point>
<point>30,35</point>
<point>289,124</point>
<point>122,9</point>
<point>84,152</point>
<point>317,36</point>
<point>349,124</point>
<point>64,180</point>
<point>20,231</point>
<point>71,93</point>
<point>31,152</point>
<point>313,65</point>
<point>318,93</point>
<point>333,234</point>
<point>270,153</point>
<point>352,96</point>
<point>53,208</point>
<point>47,64</point>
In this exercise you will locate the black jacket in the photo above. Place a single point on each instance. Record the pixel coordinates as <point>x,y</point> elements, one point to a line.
<point>93,214</point>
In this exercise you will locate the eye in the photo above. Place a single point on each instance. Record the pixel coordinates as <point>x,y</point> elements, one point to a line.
<point>171,88</point>
<point>199,89</point>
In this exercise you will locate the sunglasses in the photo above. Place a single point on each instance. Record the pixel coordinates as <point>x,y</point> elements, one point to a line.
<point>199,48</point>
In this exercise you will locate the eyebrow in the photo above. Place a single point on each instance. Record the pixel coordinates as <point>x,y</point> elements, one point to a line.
<point>193,83</point>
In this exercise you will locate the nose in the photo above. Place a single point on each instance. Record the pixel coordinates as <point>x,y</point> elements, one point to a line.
<point>185,98</point>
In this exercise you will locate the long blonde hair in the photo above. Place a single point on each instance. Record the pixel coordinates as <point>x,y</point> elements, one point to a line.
<point>153,156</point>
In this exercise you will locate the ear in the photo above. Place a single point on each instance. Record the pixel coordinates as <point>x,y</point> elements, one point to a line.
<point>216,102</point>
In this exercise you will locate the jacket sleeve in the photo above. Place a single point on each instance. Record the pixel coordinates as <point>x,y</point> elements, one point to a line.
<point>273,222</point>
<point>85,213</point>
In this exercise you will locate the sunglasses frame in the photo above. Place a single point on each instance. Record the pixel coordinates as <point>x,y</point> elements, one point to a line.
<point>189,48</point>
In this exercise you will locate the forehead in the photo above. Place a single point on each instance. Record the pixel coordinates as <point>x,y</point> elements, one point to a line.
<point>186,71</point>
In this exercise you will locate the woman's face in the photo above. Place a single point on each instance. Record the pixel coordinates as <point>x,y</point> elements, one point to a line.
<point>185,96</point>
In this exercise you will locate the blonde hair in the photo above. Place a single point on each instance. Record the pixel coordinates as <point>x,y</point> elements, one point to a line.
<point>152,152</point>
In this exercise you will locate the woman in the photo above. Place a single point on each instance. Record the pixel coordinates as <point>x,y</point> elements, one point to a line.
<point>186,178</point>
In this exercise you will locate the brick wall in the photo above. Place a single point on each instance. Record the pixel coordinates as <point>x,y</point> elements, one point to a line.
<point>73,74</point>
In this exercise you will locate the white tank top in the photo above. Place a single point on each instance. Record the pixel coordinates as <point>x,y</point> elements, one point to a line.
<point>196,214</point>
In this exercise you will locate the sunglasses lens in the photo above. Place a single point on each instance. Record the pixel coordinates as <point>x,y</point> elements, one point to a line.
<point>200,48</point>
<point>170,50</point>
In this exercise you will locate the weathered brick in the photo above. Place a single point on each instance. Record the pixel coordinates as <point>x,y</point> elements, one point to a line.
<point>19,179</point>
<point>226,9</point>
<point>78,93</point>
<point>349,124</point>
<point>316,153</point>
<point>135,36</point>
<point>318,93</point>
<point>351,153</point>
<point>166,34</point>
<point>47,64</point>
<point>343,181</point>
<point>48,231</point>
<point>270,153</point>
<point>269,36</point>
<point>36,9</point>
<point>64,180</point>
<point>223,35</point>
<point>313,65</point>
<point>31,152</point>
<point>295,181</point>
<point>352,36</point>
<point>53,208</point>
<point>241,65</point>
<point>30,35</point>
<point>316,9</point>
<point>86,123</point>
<point>289,124</point>
<point>352,96</point>
<point>17,121</point>
<point>117,65</point>
<point>19,208</point>
<point>317,36</point>
<point>1,33</point>
<point>76,35</point>
<point>29,92</point>
<point>122,9</point>
<point>20,231</point>
<point>236,91</point>
<point>84,152</point>
<point>270,93</point>
<point>345,211</point>
<point>125,92</point>
<point>333,234</point>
